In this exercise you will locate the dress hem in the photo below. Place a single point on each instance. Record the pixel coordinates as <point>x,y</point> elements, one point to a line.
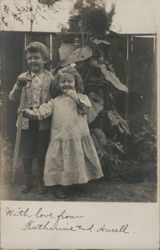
<point>48,184</point>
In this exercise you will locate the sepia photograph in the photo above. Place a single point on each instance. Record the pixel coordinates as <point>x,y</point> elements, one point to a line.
<point>99,143</point>
<point>79,107</point>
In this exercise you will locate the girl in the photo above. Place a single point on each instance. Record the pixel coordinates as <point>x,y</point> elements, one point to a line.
<point>71,157</point>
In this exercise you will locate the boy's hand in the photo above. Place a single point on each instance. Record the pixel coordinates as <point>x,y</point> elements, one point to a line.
<point>22,80</point>
<point>26,113</point>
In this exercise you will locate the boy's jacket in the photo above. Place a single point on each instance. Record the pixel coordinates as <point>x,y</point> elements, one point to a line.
<point>47,93</point>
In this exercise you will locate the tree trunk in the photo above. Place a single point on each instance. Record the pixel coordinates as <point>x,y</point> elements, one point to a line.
<point>31,25</point>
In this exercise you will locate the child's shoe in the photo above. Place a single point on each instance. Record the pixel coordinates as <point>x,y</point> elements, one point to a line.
<point>42,189</point>
<point>60,192</point>
<point>27,185</point>
<point>26,189</point>
<point>77,189</point>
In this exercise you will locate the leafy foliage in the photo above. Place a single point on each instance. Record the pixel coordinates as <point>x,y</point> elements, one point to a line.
<point>31,10</point>
<point>97,106</point>
<point>109,150</point>
<point>108,74</point>
<point>93,17</point>
<point>117,120</point>
<point>78,55</point>
<point>6,158</point>
<point>48,2</point>
<point>93,61</point>
<point>145,141</point>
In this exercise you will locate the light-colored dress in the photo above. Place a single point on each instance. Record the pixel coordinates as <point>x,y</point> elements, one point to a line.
<point>71,157</point>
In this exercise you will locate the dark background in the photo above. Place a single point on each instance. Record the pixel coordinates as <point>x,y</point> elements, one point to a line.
<point>133,59</point>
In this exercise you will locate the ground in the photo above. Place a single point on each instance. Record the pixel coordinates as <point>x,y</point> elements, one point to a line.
<point>102,190</point>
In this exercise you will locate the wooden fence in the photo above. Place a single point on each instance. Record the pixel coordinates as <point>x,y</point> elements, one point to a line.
<point>133,59</point>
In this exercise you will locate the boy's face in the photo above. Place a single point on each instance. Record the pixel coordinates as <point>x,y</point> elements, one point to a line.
<point>35,62</point>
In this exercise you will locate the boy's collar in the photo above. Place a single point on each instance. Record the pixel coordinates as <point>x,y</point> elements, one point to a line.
<point>39,75</point>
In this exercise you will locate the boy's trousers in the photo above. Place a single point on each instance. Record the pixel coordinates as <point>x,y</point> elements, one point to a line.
<point>34,144</point>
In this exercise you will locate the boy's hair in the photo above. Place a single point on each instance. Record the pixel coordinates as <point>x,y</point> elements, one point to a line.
<point>38,47</point>
<point>71,71</point>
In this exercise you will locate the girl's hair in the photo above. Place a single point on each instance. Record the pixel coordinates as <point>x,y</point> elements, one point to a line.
<point>38,47</point>
<point>71,71</point>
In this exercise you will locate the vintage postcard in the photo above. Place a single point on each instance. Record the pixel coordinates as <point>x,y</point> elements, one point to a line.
<point>79,105</point>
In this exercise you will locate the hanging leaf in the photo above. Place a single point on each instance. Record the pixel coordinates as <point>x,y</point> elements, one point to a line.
<point>119,146</point>
<point>97,106</point>
<point>111,77</point>
<point>100,136</point>
<point>78,55</point>
<point>65,50</point>
<point>117,120</point>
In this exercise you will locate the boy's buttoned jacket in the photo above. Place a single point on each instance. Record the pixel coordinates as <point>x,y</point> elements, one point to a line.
<point>46,94</point>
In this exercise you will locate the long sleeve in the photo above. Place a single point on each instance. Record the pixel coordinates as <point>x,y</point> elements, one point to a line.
<point>45,110</point>
<point>15,93</point>
<point>83,99</point>
<point>84,104</point>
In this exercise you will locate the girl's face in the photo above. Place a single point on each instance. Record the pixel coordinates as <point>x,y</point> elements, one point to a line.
<point>66,82</point>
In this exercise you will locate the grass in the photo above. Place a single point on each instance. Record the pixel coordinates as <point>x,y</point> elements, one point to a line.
<point>102,190</point>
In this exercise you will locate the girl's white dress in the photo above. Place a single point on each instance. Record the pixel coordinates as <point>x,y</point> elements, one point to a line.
<point>71,156</point>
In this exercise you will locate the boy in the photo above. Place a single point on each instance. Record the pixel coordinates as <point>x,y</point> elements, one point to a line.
<point>36,84</point>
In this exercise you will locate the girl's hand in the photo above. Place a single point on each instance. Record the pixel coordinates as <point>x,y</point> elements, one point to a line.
<point>73,94</point>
